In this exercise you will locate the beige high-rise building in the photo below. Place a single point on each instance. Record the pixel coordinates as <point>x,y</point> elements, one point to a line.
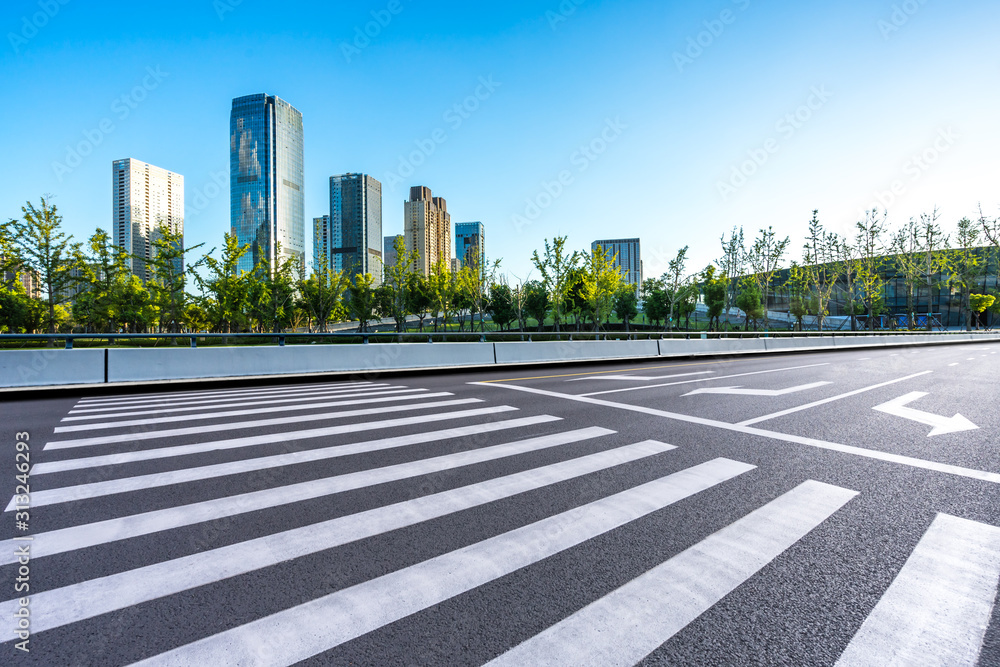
<point>427,229</point>
<point>144,197</point>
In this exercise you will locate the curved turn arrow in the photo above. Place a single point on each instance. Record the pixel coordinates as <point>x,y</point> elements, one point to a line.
<point>942,425</point>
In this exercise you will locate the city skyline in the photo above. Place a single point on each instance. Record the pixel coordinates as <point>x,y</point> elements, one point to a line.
<point>765,134</point>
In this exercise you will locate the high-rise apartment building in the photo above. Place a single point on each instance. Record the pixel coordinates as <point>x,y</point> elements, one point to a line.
<point>470,243</point>
<point>389,257</point>
<point>427,229</point>
<point>627,257</point>
<point>144,197</point>
<point>356,219</point>
<point>266,178</point>
<point>323,242</point>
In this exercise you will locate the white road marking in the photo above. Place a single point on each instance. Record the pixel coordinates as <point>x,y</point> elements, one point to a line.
<point>311,628</point>
<point>121,485</point>
<point>631,622</point>
<point>954,364</point>
<point>992,477</point>
<point>641,378</point>
<point>241,413</point>
<point>865,359</point>
<point>127,527</point>
<point>938,607</point>
<point>782,413</point>
<point>971,359</point>
<point>232,426</point>
<point>942,425</point>
<point>240,403</point>
<point>756,392</point>
<point>217,392</point>
<point>721,377</point>
<point>205,400</point>
<point>70,604</point>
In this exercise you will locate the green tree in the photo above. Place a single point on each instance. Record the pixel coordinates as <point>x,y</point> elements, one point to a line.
<point>798,285</point>
<point>323,292</point>
<point>749,301</point>
<point>733,264</point>
<point>226,288</point>
<point>871,259</point>
<point>169,277</point>
<point>556,267</point>
<point>536,301</point>
<point>626,305</point>
<point>602,281</point>
<point>714,291</point>
<point>819,256</point>
<point>967,265</point>
<point>418,297</point>
<point>764,259</point>
<point>397,277</point>
<point>441,289</point>
<point>501,306</point>
<point>41,247</point>
<point>654,300</point>
<point>362,302</point>
<point>979,303</point>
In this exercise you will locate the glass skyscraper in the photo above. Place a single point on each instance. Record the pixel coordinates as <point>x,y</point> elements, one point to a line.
<point>267,208</point>
<point>356,225</point>
<point>470,243</point>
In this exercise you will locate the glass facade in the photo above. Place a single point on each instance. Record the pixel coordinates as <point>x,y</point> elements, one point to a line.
<point>470,243</point>
<point>628,257</point>
<point>267,205</point>
<point>356,221</point>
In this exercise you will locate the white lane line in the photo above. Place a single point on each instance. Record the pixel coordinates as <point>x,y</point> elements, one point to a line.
<point>127,527</point>
<point>311,628</point>
<point>240,413</point>
<point>122,485</point>
<point>865,359</point>
<point>239,404</point>
<point>47,468</point>
<point>739,391</point>
<point>631,622</point>
<point>360,391</point>
<point>216,392</point>
<point>643,378</point>
<point>954,364</point>
<point>782,413</point>
<point>87,599</point>
<point>938,607</point>
<point>232,426</point>
<point>971,359</point>
<point>712,379</point>
<point>982,475</point>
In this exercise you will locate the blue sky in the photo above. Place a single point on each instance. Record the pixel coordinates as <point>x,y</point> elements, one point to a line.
<point>664,120</point>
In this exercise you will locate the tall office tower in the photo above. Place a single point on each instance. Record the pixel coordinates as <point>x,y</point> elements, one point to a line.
<point>627,257</point>
<point>266,179</point>
<point>470,243</point>
<point>144,198</point>
<point>322,242</point>
<point>389,249</point>
<point>356,217</point>
<point>427,228</point>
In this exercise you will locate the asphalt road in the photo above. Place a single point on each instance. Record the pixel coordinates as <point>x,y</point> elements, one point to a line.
<point>808,509</point>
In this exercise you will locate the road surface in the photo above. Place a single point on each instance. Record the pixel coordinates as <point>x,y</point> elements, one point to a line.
<point>810,509</point>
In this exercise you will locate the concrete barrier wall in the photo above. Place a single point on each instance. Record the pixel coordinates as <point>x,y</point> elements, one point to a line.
<point>35,368</point>
<point>136,365</point>
<point>573,350</point>
<point>38,368</point>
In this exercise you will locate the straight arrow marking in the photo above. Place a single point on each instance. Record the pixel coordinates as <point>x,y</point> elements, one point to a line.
<point>756,392</point>
<point>897,407</point>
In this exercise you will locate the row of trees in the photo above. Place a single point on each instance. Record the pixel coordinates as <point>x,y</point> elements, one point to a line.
<point>92,286</point>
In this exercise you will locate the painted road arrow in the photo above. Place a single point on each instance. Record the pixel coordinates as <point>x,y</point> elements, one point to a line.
<point>755,392</point>
<point>942,425</point>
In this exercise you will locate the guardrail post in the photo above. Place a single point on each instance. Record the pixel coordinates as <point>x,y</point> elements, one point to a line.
<point>430,339</point>
<point>281,341</point>
<point>69,343</point>
<point>482,338</point>
<point>194,341</point>
<point>364,339</point>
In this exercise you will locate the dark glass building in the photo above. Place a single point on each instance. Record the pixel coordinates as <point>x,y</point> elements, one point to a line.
<point>267,208</point>
<point>470,243</point>
<point>356,225</point>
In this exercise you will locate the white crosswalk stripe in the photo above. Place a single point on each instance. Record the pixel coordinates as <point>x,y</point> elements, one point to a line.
<point>625,626</point>
<point>447,468</point>
<point>393,391</point>
<point>937,609</point>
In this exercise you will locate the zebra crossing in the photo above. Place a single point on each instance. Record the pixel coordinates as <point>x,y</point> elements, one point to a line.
<point>109,452</point>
